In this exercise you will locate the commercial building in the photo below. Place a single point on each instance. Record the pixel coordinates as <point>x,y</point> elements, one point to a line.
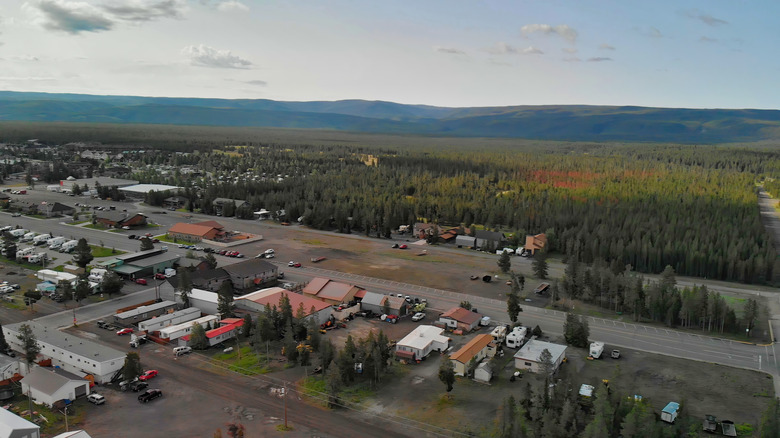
<point>420,342</point>
<point>174,332</point>
<point>156,323</point>
<point>208,230</point>
<point>528,357</point>
<point>50,385</point>
<point>66,185</point>
<point>143,313</point>
<point>228,330</point>
<point>378,303</point>
<point>459,318</point>
<point>256,302</point>
<point>204,300</point>
<point>252,273</point>
<point>14,426</point>
<point>141,264</point>
<point>119,219</point>
<point>329,291</point>
<point>478,348</point>
<point>139,191</point>
<point>77,355</point>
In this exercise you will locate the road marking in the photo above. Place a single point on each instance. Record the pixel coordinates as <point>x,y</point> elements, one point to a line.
<point>731,355</point>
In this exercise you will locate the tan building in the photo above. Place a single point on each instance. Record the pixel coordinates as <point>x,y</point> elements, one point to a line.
<point>329,291</point>
<point>196,232</point>
<point>480,347</point>
<point>528,357</point>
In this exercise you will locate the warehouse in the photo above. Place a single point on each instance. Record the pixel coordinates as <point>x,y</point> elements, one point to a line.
<point>378,303</point>
<point>176,331</point>
<point>146,266</point>
<point>139,191</point>
<point>528,357</point>
<point>256,301</point>
<point>204,300</point>
<point>143,313</point>
<point>420,342</point>
<point>66,185</point>
<point>49,385</point>
<point>167,320</point>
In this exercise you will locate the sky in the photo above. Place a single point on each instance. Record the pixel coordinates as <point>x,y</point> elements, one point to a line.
<point>660,53</point>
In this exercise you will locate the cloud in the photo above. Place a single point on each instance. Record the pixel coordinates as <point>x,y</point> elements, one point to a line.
<point>70,17</point>
<point>570,50</point>
<point>599,59</point>
<point>651,32</point>
<point>605,46</point>
<point>257,82</point>
<point>450,50</point>
<point>707,19</point>
<point>706,39</point>
<point>232,5</point>
<point>145,10</point>
<point>206,56</point>
<point>572,59</point>
<point>502,48</point>
<point>561,30</point>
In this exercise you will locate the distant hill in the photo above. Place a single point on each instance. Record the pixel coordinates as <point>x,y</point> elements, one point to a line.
<point>552,122</point>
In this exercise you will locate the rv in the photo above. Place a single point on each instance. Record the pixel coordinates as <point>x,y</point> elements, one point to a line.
<point>596,348</point>
<point>499,334</point>
<point>37,258</point>
<point>69,246</point>
<point>28,237</point>
<point>19,232</point>
<point>41,239</point>
<point>517,337</point>
<point>24,251</point>
<point>96,275</point>
<point>56,242</point>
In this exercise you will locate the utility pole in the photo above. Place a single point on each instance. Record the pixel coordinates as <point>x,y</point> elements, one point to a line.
<point>65,412</point>
<point>285,405</point>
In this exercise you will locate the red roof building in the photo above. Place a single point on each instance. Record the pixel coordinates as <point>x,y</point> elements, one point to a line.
<point>460,318</point>
<point>256,301</point>
<point>329,291</point>
<point>196,232</point>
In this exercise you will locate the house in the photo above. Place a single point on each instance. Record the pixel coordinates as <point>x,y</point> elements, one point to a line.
<point>535,243</point>
<point>210,279</point>
<point>459,318</point>
<point>320,311</point>
<point>174,332</point>
<point>196,232</point>
<point>56,209</point>
<point>49,385</point>
<point>528,357</point>
<point>542,288</point>
<point>476,349</point>
<point>423,231</point>
<point>4,197</point>
<point>484,372</point>
<point>329,291</point>
<point>466,241</point>
<point>119,219</point>
<point>175,201</point>
<point>219,203</point>
<point>449,235</point>
<point>9,367</point>
<point>193,264</point>
<point>378,303</point>
<point>14,426</point>
<point>142,313</point>
<point>228,330</point>
<point>79,356</point>
<point>489,239</point>
<point>252,273</point>
<point>166,320</point>
<point>420,342</point>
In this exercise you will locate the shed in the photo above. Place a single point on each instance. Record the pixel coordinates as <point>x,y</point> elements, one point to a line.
<point>14,426</point>
<point>467,241</point>
<point>484,372</point>
<point>528,357</point>
<point>143,313</point>
<point>376,303</point>
<point>49,385</point>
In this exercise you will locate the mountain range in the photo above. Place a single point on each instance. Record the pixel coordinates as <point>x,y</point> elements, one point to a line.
<point>548,122</point>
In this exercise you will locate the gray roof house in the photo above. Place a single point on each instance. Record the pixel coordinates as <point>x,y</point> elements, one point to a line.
<point>467,241</point>
<point>252,273</point>
<point>375,302</point>
<point>487,238</point>
<point>49,385</point>
<point>14,426</point>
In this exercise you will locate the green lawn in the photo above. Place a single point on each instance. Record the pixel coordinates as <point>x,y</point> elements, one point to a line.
<point>95,227</point>
<point>102,251</point>
<point>77,222</point>
<point>166,238</point>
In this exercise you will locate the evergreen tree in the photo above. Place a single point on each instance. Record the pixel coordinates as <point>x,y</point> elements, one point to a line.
<point>513,306</point>
<point>246,329</point>
<point>132,367</point>
<point>603,413</point>
<point>82,289</point>
<point>30,346</point>
<point>265,329</point>
<point>3,343</point>
<point>184,286</point>
<point>198,339</point>
<point>539,265</point>
<point>327,354</point>
<point>225,300</point>
<point>447,373</point>
<point>82,254</point>
<point>146,244</point>
<point>504,263</point>
<point>111,283</point>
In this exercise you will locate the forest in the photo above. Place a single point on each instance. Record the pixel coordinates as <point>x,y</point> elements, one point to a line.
<point>645,205</point>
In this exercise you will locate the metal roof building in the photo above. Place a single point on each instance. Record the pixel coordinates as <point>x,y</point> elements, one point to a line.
<point>144,312</point>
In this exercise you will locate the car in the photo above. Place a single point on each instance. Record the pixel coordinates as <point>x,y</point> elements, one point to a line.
<point>269,256</point>
<point>208,250</point>
<point>149,395</point>
<point>395,246</point>
<point>403,247</point>
<point>291,263</point>
<point>269,251</point>
<point>124,331</point>
<point>408,299</point>
<point>6,289</point>
<point>131,237</point>
<point>160,276</point>
<point>125,227</point>
<point>183,246</point>
<point>197,248</point>
<point>96,398</point>
<point>155,240</point>
<point>17,214</point>
<point>222,252</point>
<point>418,316</point>
<point>10,353</point>
<point>297,265</point>
<point>136,386</point>
<point>141,281</point>
<point>148,374</point>
<point>280,275</point>
<point>102,324</point>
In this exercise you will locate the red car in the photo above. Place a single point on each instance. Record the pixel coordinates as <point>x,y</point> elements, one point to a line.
<point>124,331</point>
<point>141,281</point>
<point>160,276</point>
<point>147,375</point>
<point>403,247</point>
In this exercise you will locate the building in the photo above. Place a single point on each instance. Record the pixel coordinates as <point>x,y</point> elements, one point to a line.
<point>9,368</point>
<point>466,241</point>
<point>220,203</point>
<point>420,342</point>
<point>73,354</point>
<point>378,303</point>
<point>484,372</point>
<point>74,434</point>
<point>142,313</point>
<point>175,202</point>
<point>329,291</point>
<point>139,191</point>
<point>252,273</point>
<point>228,330</point>
<point>14,426</point>
<point>478,348</point>
<point>174,332</point>
<point>54,209</point>
<point>210,279</point>
<point>527,358</point>
<point>142,263</point>
<point>66,185</point>
<point>193,264</point>
<point>50,385</point>
<point>256,302</point>
<point>489,239</point>
<point>423,231</point>
<point>156,323</point>
<point>535,243</point>
<point>459,318</point>
<point>204,300</point>
<point>196,232</point>
<point>119,219</point>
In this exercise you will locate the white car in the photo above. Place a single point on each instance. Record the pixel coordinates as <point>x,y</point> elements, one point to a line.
<point>418,316</point>
<point>6,289</point>
<point>96,399</point>
<point>269,251</point>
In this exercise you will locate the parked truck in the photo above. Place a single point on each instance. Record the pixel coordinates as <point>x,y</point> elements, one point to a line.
<point>517,337</point>
<point>69,246</point>
<point>596,348</point>
<point>669,413</point>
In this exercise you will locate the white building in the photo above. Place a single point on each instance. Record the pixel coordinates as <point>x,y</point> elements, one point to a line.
<point>49,385</point>
<point>8,367</point>
<point>176,331</point>
<point>205,300</point>
<point>420,342</point>
<point>178,317</point>
<point>312,307</point>
<point>74,434</point>
<point>527,358</point>
<point>55,276</point>
<point>73,354</point>
<point>14,426</point>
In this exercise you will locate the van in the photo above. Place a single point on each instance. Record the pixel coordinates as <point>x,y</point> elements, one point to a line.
<point>178,351</point>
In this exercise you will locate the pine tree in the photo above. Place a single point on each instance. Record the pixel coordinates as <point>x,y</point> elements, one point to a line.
<point>30,346</point>
<point>132,367</point>
<point>539,266</point>
<point>198,339</point>
<point>504,263</point>
<point>447,373</point>
<point>225,300</point>
<point>82,254</point>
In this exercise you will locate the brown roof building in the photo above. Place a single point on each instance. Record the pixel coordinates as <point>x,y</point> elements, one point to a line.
<point>477,349</point>
<point>460,318</point>
<point>535,243</point>
<point>196,232</point>
<point>252,273</point>
<point>329,291</point>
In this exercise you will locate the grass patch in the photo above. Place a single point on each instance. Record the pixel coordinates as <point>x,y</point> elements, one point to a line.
<point>315,387</point>
<point>102,251</point>
<point>357,394</point>
<point>314,242</point>
<point>60,268</point>
<point>78,222</point>
<point>283,428</point>
<point>247,363</point>
<point>166,238</point>
<point>35,267</point>
<point>95,227</point>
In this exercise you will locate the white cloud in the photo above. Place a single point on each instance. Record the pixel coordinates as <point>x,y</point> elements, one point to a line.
<point>450,50</point>
<point>599,59</point>
<point>605,46</point>
<point>706,39</point>
<point>651,32</point>
<point>205,56</point>
<point>569,50</point>
<point>572,59</point>
<point>257,82</point>
<point>707,19</point>
<point>502,48</point>
<point>71,17</point>
<point>562,30</point>
<point>145,10</point>
<point>232,5</point>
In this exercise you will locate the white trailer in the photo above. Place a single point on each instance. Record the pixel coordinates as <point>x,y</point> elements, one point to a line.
<point>56,242</point>
<point>24,251</point>
<point>37,258</point>
<point>517,337</point>
<point>499,334</point>
<point>69,246</point>
<point>28,237</point>
<point>596,348</point>
<point>96,275</point>
<point>19,232</point>
<point>41,239</point>
<point>176,331</point>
